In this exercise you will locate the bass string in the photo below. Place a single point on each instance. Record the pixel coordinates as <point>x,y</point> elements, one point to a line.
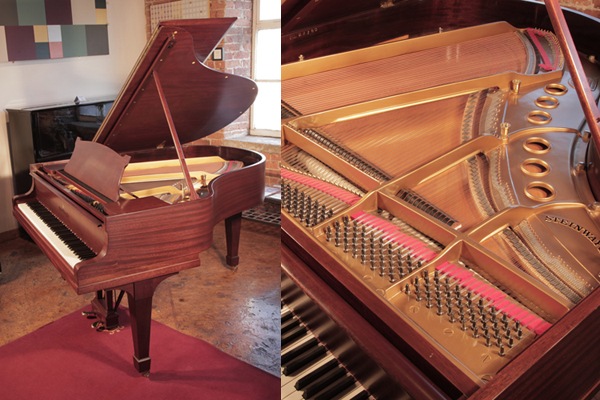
<point>405,73</point>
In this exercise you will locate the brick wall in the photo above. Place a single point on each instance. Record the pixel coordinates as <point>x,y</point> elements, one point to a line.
<point>590,7</point>
<point>237,49</point>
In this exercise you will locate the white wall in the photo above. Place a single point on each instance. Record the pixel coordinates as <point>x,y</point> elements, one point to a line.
<point>34,83</point>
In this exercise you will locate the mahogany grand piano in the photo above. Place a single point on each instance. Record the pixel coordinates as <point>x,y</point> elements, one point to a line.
<point>440,201</point>
<point>134,206</point>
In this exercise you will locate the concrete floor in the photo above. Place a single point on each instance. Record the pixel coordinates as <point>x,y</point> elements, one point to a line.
<point>236,311</point>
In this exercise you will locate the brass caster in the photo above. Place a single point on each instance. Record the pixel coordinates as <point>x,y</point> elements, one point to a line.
<point>146,374</point>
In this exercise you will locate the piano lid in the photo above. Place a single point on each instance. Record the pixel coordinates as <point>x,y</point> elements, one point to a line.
<point>201,100</point>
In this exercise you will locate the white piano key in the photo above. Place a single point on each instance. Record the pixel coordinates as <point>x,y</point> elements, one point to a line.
<point>67,254</point>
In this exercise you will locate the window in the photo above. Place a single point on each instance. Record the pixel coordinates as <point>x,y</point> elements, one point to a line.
<point>266,68</point>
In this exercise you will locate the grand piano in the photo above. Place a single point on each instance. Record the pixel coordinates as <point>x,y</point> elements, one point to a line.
<point>135,206</point>
<point>440,201</point>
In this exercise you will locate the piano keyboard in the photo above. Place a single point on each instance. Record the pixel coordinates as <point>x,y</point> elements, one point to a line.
<point>70,247</point>
<point>309,370</point>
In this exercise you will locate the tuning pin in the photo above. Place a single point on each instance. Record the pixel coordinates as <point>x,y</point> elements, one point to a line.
<point>440,311</point>
<point>392,278</point>
<point>452,319</point>
<point>407,289</point>
<point>428,305</point>
<point>475,332</point>
<point>501,353</point>
<point>464,326</point>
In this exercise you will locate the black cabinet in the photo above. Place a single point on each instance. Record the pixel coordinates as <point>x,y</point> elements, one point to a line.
<point>48,133</point>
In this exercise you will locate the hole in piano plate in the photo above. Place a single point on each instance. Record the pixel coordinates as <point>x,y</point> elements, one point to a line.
<point>546,102</point>
<point>539,117</point>
<point>535,167</point>
<point>537,145</point>
<point>540,191</point>
<point>555,89</point>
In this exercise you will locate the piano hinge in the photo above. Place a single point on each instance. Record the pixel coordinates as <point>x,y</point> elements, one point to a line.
<point>386,4</point>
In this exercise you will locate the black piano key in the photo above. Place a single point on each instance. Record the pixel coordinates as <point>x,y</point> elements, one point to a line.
<point>336,388</point>
<point>295,333</point>
<point>81,250</point>
<point>323,382</point>
<point>314,375</point>
<point>304,360</point>
<point>364,395</point>
<point>290,355</point>
<point>289,325</point>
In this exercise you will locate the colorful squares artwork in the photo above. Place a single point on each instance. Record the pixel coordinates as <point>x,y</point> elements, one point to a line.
<point>8,13</point>
<point>73,40</point>
<point>84,12</point>
<point>42,50</point>
<point>43,29</point>
<point>40,33</point>
<point>56,50</point>
<point>58,12</point>
<point>20,43</point>
<point>101,18</point>
<point>3,50</point>
<point>96,39</point>
<point>54,33</point>
<point>31,12</point>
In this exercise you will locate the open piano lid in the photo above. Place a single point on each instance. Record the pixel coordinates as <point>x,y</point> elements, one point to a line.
<point>201,100</point>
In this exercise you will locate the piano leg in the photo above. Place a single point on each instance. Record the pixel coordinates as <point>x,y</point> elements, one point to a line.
<point>139,296</point>
<point>233,226</point>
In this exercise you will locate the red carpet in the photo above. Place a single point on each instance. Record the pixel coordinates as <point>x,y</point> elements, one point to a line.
<point>67,359</point>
